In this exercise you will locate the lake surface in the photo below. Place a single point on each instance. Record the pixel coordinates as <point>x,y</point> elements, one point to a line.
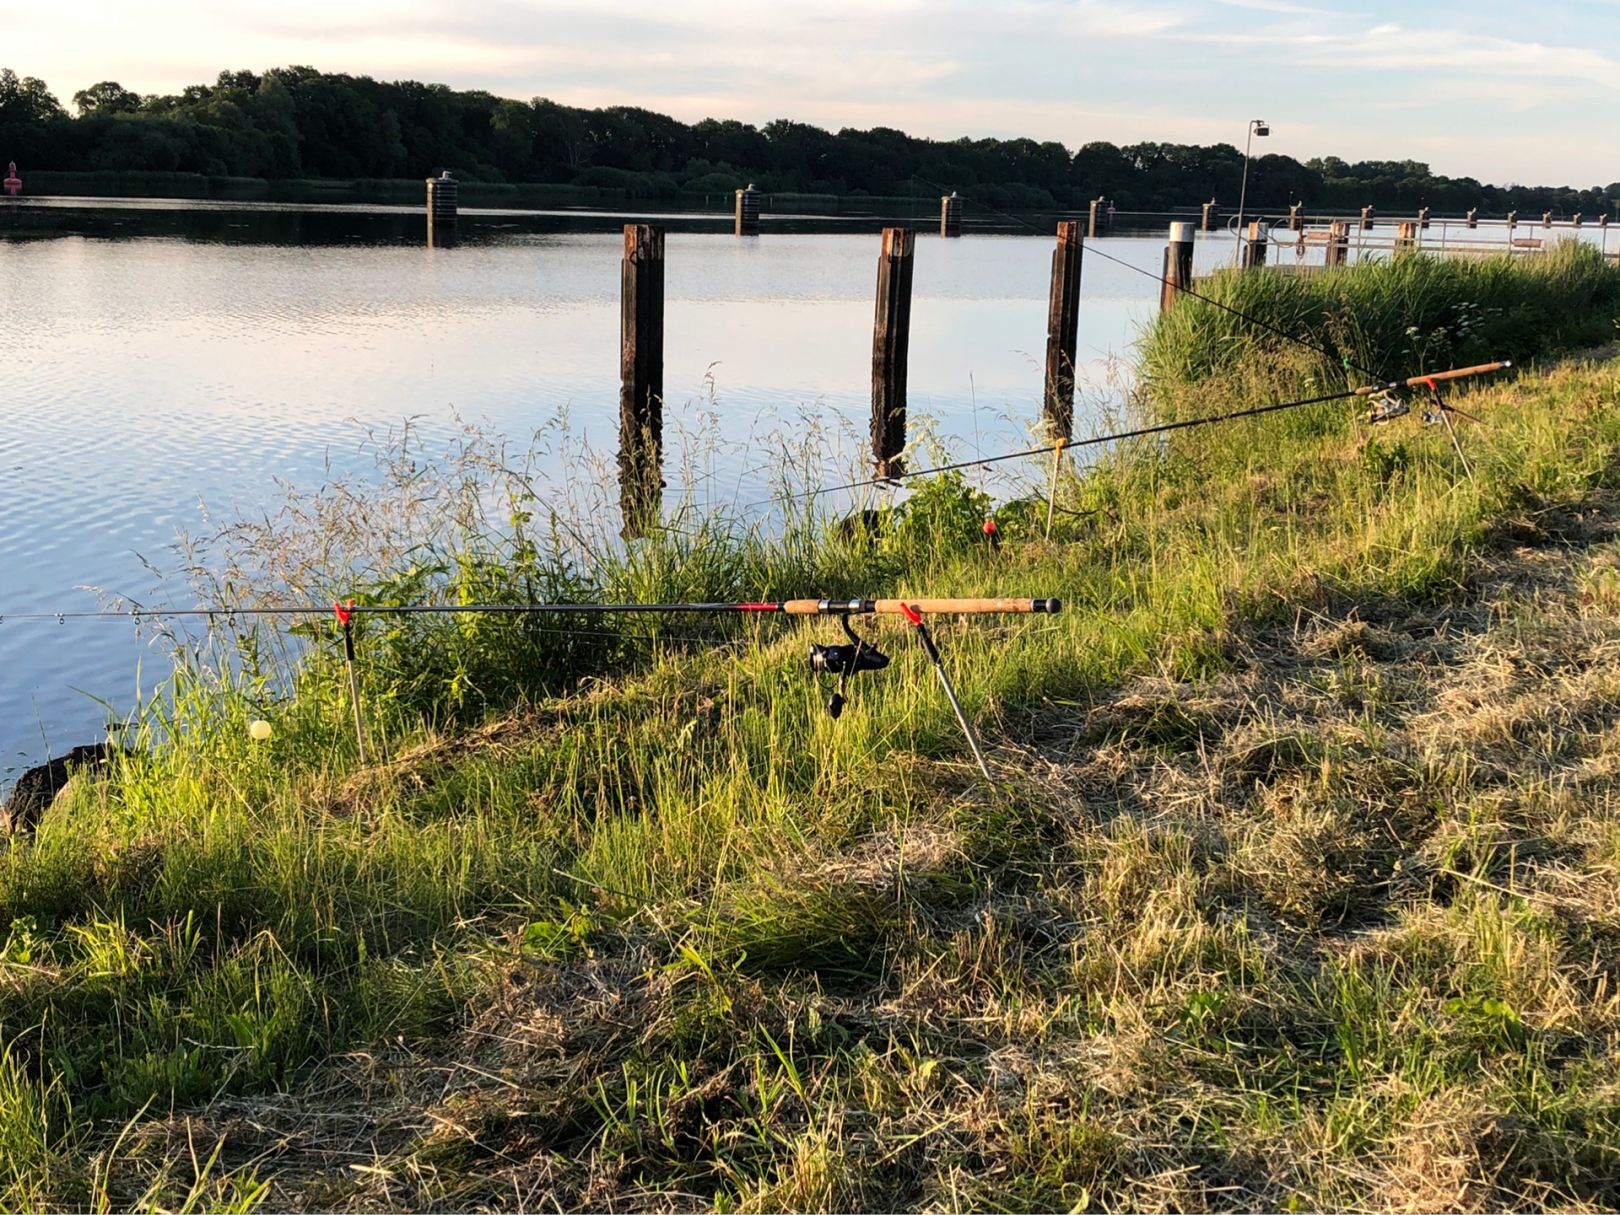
<point>167,365</point>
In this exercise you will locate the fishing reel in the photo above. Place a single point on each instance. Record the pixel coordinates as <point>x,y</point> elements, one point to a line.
<point>1389,406</point>
<point>845,660</point>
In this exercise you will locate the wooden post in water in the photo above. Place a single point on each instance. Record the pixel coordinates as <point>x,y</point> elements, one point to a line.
<point>891,339</point>
<point>1207,223</point>
<point>1254,244</point>
<point>1178,263</point>
<point>1338,245</point>
<point>1366,218</point>
<point>1063,330</point>
<point>1546,219</point>
<point>1406,237</point>
<point>442,206</point>
<point>1295,220</point>
<point>1512,223</point>
<point>1473,217</point>
<point>950,215</point>
<point>1423,217</point>
<point>1576,219</point>
<point>747,211</point>
<point>641,378</point>
<point>1096,219</point>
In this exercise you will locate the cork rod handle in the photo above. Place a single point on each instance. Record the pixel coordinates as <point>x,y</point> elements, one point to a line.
<point>957,607</point>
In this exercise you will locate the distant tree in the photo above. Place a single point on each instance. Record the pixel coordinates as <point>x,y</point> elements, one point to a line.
<point>108,97</point>
<point>26,99</point>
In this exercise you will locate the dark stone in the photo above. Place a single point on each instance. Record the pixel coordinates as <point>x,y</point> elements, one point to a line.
<point>36,788</point>
<point>862,525</point>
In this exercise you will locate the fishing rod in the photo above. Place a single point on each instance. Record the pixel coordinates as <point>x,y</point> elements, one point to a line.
<point>840,660</point>
<point>1383,389</point>
<point>789,607</point>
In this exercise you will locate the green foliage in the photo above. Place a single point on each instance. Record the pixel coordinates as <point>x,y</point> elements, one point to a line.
<point>940,520</point>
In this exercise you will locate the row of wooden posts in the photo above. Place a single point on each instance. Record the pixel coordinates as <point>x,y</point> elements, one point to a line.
<point>442,206</point>
<point>641,358</point>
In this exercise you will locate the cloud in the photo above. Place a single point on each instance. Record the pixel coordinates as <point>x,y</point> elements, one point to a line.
<point>1393,48</point>
<point>1071,70</point>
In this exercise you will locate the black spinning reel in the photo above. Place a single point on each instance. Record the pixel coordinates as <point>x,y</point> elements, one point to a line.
<point>846,660</point>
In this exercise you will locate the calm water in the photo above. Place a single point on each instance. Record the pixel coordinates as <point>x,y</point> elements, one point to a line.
<point>165,365</point>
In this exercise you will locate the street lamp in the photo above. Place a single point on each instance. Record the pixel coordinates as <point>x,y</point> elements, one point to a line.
<point>1257,126</point>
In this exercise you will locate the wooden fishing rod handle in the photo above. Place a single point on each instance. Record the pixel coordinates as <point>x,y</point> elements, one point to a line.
<point>1456,373</point>
<point>892,607</point>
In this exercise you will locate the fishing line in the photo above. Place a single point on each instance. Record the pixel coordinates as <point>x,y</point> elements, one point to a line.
<point>1091,247</point>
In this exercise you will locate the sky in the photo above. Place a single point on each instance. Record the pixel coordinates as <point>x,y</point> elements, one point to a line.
<point>1504,92</point>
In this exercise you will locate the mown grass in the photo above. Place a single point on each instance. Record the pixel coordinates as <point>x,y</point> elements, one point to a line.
<point>1297,889</point>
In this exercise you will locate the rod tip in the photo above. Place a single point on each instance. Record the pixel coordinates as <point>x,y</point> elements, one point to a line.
<point>1050,606</point>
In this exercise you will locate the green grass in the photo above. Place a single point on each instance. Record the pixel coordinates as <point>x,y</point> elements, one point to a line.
<point>1386,317</point>
<point>1297,889</point>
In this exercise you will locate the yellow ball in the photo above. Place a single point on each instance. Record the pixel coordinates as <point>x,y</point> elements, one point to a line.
<point>259,730</point>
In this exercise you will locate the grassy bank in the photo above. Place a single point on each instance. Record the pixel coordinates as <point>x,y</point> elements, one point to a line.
<point>1297,890</point>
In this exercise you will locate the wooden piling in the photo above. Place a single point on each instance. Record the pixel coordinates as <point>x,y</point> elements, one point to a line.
<point>1546,219</point>
<point>1423,217</point>
<point>1178,263</point>
<point>950,215</point>
<point>1097,218</point>
<point>746,213</point>
<point>641,378</point>
<point>1576,219</point>
<point>1406,236</point>
<point>1473,217</point>
<point>1207,221</point>
<point>1295,220</point>
<point>1255,241</point>
<point>1338,245</point>
<point>891,338</point>
<point>1063,330</point>
<point>1366,218</point>
<point>443,204</point>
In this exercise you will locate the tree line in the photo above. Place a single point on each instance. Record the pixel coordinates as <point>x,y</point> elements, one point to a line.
<point>297,122</point>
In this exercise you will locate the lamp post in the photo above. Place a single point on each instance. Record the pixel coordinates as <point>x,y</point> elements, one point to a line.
<point>1257,126</point>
